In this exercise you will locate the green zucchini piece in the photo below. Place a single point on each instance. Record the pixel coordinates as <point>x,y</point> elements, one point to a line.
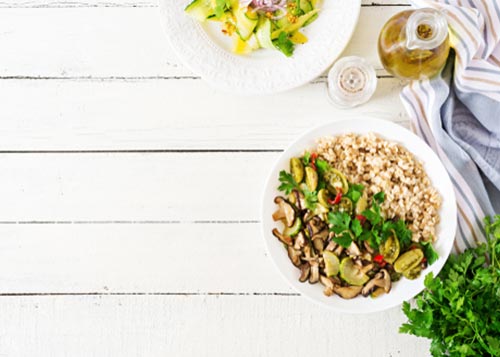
<point>200,10</point>
<point>293,230</point>
<point>263,34</point>
<point>306,6</point>
<point>296,25</point>
<point>244,24</point>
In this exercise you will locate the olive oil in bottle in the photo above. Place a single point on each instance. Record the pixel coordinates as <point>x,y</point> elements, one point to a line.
<point>414,44</point>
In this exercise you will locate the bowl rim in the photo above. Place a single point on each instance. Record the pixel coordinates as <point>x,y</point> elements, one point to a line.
<point>372,122</point>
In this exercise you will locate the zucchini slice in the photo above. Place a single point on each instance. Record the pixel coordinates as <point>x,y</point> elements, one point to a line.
<point>199,10</point>
<point>244,23</point>
<point>301,20</point>
<point>263,34</point>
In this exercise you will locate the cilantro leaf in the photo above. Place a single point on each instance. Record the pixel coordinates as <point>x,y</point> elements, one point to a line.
<point>340,221</point>
<point>287,182</point>
<point>306,158</point>
<point>356,227</point>
<point>344,239</point>
<point>284,44</point>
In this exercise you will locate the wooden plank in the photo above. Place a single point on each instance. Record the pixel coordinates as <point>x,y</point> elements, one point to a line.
<point>133,3</point>
<point>172,114</point>
<point>116,42</point>
<point>204,258</point>
<point>195,326</point>
<point>132,187</point>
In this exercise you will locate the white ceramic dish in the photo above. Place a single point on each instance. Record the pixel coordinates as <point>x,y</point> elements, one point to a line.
<point>207,52</point>
<point>404,289</point>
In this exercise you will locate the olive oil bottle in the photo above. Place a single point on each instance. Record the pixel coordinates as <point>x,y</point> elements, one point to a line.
<point>414,44</point>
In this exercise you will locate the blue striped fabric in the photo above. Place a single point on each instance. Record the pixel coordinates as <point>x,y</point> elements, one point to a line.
<point>458,112</point>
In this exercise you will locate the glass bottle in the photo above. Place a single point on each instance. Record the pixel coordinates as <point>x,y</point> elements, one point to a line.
<point>414,44</point>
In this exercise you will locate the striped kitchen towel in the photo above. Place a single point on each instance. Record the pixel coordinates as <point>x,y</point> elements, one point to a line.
<point>458,113</point>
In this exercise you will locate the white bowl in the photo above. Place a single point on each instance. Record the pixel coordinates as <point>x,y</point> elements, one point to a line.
<point>402,290</point>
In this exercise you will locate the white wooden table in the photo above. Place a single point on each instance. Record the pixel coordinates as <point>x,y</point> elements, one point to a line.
<point>130,195</point>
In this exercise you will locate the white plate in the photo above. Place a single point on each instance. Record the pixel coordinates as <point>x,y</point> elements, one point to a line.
<point>207,52</point>
<point>404,289</point>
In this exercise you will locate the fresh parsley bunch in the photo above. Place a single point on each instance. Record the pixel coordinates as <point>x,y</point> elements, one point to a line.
<point>460,308</point>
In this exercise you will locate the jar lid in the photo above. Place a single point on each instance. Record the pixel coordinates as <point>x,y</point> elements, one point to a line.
<point>351,82</point>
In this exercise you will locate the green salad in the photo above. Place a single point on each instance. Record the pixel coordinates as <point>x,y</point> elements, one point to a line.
<point>255,24</point>
<point>336,234</point>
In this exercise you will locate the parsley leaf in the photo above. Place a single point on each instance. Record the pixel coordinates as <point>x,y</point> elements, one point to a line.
<point>373,214</point>
<point>284,44</point>
<point>355,192</point>
<point>343,239</point>
<point>310,197</point>
<point>340,221</point>
<point>287,182</point>
<point>458,310</point>
<point>306,158</point>
<point>430,254</point>
<point>379,197</point>
<point>403,233</point>
<point>356,227</point>
<point>322,166</point>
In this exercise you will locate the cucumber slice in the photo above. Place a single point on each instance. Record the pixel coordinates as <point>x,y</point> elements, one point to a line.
<point>296,25</point>
<point>199,10</point>
<point>263,34</point>
<point>244,24</point>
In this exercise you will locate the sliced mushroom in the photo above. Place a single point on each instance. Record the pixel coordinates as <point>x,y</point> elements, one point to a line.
<point>314,277</point>
<point>294,256</point>
<point>323,235</point>
<point>347,292</point>
<point>300,200</point>
<point>331,246</point>
<point>305,269</point>
<point>368,247</point>
<point>300,241</point>
<point>318,245</point>
<point>285,239</point>
<point>366,268</point>
<point>338,250</point>
<point>285,211</point>
<point>366,256</point>
<point>328,283</point>
<point>308,216</point>
<point>315,225</point>
<point>381,280</point>
<point>353,250</point>
<point>307,253</point>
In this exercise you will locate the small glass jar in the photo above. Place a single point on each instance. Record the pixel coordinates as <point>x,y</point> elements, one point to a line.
<point>351,82</point>
<point>414,44</point>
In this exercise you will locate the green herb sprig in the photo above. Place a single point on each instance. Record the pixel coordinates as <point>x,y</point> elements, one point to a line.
<point>459,309</point>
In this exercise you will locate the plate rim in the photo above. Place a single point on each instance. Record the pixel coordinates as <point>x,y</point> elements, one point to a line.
<point>228,88</point>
